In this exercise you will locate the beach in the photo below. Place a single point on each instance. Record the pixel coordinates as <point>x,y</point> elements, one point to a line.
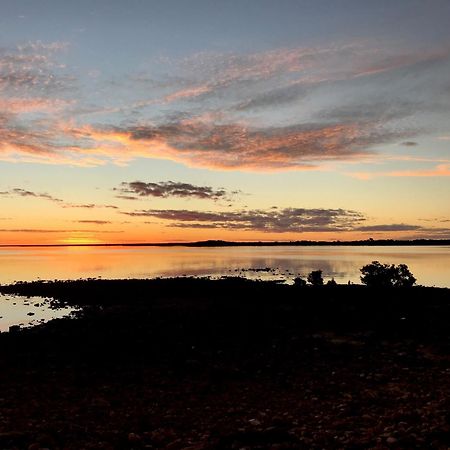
<point>231,363</point>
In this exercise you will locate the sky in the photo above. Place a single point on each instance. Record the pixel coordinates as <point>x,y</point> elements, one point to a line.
<point>173,120</point>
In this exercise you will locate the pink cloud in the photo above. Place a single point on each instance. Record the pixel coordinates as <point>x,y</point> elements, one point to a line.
<point>441,170</point>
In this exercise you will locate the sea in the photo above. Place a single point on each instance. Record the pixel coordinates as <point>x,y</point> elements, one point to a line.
<point>429,264</point>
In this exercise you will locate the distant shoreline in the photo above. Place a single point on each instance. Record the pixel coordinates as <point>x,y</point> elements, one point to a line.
<point>220,243</point>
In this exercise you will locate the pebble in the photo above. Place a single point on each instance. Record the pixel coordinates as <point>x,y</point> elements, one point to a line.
<point>254,422</point>
<point>133,437</point>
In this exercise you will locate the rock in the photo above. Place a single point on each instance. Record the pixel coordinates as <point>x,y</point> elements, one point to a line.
<point>391,440</point>
<point>254,422</point>
<point>133,437</point>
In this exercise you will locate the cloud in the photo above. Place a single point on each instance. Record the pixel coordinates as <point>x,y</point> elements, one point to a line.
<point>285,76</point>
<point>409,144</point>
<point>282,109</point>
<point>436,219</point>
<point>50,230</point>
<point>25,193</point>
<point>17,105</point>
<point>96,222</point>
<point>127,197</point>
<point>200,143</point>
<point>390,227</point>
<point>441,170</point>
<point>191,92</point>
<point>284,220</point>
<point>31,69</point>
<point>166,189</point>
<point>19,192</point>
<point>279,221</point>
<point>88,206</point>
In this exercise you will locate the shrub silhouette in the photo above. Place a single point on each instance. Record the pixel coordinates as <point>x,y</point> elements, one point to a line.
<point>376,274</point>
<point>315,278</point>
<point>299,282</point>
<point>331,282</point>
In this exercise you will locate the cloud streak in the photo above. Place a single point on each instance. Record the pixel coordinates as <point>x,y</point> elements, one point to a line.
<point>389,227</point>
<point>279,221</point>
<point>94,222</point>
<point>223,106</point>
<point>440,170</point>
<point>53,230</point>
<point>286,220</point>
<point>200,143</point>
<point>25,193</point>
<point>19,192</point>
<point>164,189</point>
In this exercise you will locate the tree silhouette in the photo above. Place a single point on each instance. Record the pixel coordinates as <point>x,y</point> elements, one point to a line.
<point>315,278</point>
<point>376,274</point>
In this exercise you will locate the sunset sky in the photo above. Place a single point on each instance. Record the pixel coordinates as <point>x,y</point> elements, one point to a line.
<point>175,120</point>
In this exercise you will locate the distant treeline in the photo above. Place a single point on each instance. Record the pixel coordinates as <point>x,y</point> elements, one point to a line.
<point>220,243</point>
<point>366,242</point>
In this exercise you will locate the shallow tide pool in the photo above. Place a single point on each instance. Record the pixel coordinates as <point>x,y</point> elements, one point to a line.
<point>27,311</point>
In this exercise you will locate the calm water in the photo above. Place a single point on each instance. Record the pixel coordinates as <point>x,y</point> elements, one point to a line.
<point>430,265</point>
<point>27,311</point>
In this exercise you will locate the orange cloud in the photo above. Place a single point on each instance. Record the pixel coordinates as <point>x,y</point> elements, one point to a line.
<point>187,93</point>
<point>28,105</point>
<point>227,146</point>
<point>441,170</point>
<point>223,141</point>
<point>194,142</point>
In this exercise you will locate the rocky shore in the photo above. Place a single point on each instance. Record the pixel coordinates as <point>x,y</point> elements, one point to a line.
<point>228,364</point>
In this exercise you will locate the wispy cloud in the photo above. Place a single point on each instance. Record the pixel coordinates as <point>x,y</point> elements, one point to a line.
<point>138,189</point>
<point>94,222</point>
<point>88,206</point>
<point>390,227</point>
<point>200,143</point>
<point>19,192</point>
<point>222,107</point>
<point>25,193</point>
<point>54,230</point>
<point>31,68</point>
<point>441,170</point>
<point>286,220</point>
<point>272,220</point>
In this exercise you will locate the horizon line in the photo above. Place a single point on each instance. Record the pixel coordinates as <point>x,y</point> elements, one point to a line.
<point>223,243</point>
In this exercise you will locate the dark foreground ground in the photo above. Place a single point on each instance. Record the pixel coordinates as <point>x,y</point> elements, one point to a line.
<point>229,364</point>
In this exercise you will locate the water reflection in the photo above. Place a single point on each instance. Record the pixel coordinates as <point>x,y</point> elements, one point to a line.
<point>24,311</point>
<point>430,265</point>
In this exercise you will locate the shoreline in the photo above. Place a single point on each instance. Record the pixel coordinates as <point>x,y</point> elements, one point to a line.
<point>219,364</point>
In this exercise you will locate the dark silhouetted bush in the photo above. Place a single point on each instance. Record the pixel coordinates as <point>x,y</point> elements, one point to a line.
<point>299,282</point>
<point>376,274</point>
<point>331,282</point>
<point>315,278</point>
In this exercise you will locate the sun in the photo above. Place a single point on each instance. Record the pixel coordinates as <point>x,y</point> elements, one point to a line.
<point>80,239</point>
